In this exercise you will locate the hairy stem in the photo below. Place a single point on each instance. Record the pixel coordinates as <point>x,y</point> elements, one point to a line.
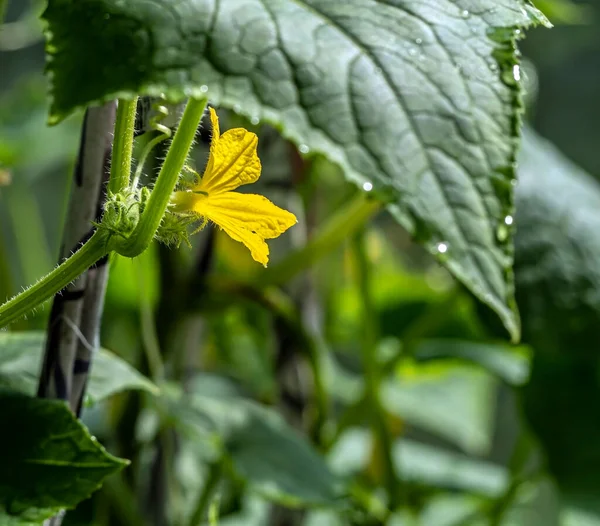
<point>61,276</point>
<point>120,170</point>
<point>167,178</point>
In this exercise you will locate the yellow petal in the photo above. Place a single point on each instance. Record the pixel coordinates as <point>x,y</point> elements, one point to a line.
<point>233,160</point>
<point>216,135</point>
<point>247,218</point>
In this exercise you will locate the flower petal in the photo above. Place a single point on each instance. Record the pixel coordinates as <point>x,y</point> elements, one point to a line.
<point>233,160</point>
<point>247,218</point>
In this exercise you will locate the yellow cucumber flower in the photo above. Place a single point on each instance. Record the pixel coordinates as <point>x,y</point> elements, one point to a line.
<point>248,218</point>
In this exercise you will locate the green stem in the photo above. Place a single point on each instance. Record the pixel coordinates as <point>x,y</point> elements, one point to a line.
<point>120,168</point>
<point>372,373</point>
<point>59,278</point>
<point>344,223</point>
<point>214,475</point>
<point>165,182</point>
<point>148,328</point>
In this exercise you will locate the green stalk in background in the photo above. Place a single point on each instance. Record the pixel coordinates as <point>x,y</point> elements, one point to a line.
<point>332,234</point>
<point>372,373</point>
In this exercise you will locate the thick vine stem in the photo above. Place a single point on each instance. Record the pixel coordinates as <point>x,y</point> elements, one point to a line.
<point>59,278</point>
<point>120,171</point>
<point>158,201</point>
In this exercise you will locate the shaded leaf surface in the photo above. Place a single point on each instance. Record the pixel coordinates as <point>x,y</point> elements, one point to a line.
<point>510,363</point>
<point>417,98</point>
<point>20,361</point>
<point>451,400</point>
<point>557,250</point>
<point>260,447</point>
<point>422,464</point>
<point>558,291</point>
<point>49,460</point>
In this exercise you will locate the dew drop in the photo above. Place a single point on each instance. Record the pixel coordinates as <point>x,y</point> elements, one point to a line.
<point>303,148</point>
<point>367,187</point>
<point>465,14</point>
<point>204,88</point>
<point>419,41</point>
<point>517,32</point>
<point>516,72</point>
<point>412,51</point>
<point>237,108</point>
<point>442,248</point>
<point>502,233</point>
<point>254,120</point>
<point>508,220</point>
<point>493,66</point>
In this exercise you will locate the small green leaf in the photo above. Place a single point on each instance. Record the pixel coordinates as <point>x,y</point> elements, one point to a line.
<point>444,510</point>
<point>422,464</point>
<point>510,363</point>
<point>21,358</point>
<point>416,101</point>
<point>535,503</point>
<point>576,516</point>
<point>276,461</point>
<point>49,461</point>
<point>452,400</point>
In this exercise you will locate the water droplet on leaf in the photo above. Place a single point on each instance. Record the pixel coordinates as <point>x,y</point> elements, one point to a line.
<point>204,88</point>
<point>508,220</point>
<point>303,148</point>
<point>516,72</point>
<point>442,248</point>
<point>465,13</point>
<point>367,187</point>
<point>502,233</point>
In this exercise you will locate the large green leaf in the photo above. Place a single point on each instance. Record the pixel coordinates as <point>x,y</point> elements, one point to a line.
<point>49,460</point>
<point>258,444</point>
<point>415,99</point>
<point>557,250</point>
<point>20,362</point>
<point>558,291</point>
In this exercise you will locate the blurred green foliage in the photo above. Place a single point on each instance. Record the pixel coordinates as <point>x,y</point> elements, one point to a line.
<point>483,432</point>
